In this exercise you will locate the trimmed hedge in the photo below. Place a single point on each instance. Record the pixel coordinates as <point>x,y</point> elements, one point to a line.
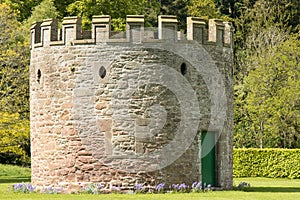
<point>271,163</point>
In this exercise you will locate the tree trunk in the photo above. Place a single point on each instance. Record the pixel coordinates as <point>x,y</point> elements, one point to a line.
<point>261,134</point>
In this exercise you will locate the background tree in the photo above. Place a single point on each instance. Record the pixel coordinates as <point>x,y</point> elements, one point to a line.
<point>21,7</point>
<point>178,8</point>
<point>45,10</point>
<point>117,9</point>
<point>273,99</point>
<point>265,27</point>
<point>203,8</point>
<point>14,61</point>
<point>14,89</point>
<point>266,112</point>
<point>61,7</point>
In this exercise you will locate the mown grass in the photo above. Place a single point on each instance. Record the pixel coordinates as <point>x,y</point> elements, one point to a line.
<point>14,171</point>
<point>14,174</point>
<point>275,185</point>
<point>261,188</point>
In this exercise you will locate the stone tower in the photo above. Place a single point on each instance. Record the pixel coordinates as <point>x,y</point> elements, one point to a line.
<point>148,105</point>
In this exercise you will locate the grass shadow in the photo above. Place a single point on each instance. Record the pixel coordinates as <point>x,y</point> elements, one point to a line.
<point>273,189</point>
<point>14,179</point>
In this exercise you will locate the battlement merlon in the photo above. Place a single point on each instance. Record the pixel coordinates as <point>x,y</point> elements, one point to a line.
<point>46,33</point>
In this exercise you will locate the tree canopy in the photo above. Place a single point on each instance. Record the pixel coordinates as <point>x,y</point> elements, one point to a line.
<point>14,61</point>
<point>266,55</point>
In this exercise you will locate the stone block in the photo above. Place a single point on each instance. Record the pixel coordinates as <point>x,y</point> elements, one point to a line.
<point>104,124</point>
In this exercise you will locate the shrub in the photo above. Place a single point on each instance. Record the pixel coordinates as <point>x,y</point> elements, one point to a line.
<point>271,163</point>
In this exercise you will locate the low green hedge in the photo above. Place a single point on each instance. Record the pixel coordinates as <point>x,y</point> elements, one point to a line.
<point>272,163</point>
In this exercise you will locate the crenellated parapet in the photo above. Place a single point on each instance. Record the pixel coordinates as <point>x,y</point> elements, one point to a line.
<point>47,33</point>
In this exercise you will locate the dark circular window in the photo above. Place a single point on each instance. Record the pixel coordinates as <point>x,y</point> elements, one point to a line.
<point>102,72</point>
<point>183,69</point>
<point>39,75</point>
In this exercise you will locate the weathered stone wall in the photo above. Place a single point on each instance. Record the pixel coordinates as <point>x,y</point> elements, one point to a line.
<point>129,110</point>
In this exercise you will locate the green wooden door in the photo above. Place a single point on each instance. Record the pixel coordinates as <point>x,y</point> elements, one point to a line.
<point>208,159</point>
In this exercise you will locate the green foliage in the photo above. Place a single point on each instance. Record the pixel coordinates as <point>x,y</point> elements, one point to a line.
<point>268,101</point>
<point>267,70</point>
<point>61,7</point>
<point>14,139</point>
<point>117,9</point>
<point>14,90</point>
<point>260,24</point>
<point>179,8</point>
<point>118,24</point>
<point>266,55</point>
<point>45,10</point>
<point>203,8</point>
<point>14,61</point>
<point>271,163</point>
<point>21,7</point>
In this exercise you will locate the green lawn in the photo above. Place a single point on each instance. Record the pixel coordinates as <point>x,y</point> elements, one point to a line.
<point>261,188</point>
<point>14,171</point>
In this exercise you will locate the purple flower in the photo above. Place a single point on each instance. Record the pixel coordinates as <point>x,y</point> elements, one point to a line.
<point>139,187</point>
<point>197,186</point>
<point>175,187</point>
<point>51,190</point>
<point>23,188</point>
<point>115,189</point>
<point>182,186</point>
<point>160,187</point>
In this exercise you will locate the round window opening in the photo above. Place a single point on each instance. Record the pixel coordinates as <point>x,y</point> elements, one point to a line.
<point>183,68</point>
<point>102,72</point>
<point>39,75</point>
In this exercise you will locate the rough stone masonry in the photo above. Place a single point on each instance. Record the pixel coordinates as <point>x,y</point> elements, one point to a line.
<point>126,108</point>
